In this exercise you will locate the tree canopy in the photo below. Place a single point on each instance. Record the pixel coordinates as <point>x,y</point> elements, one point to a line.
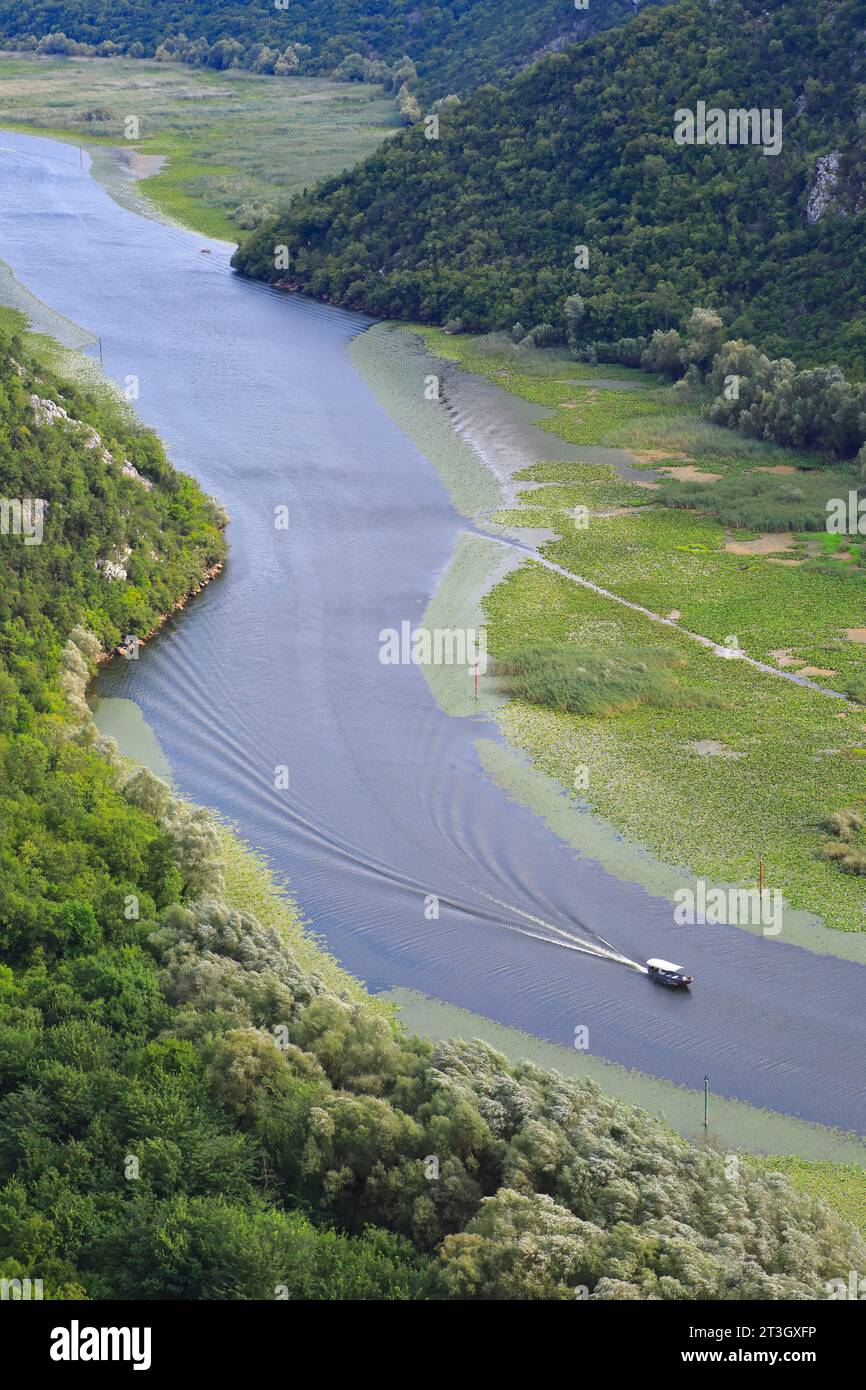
<point>455,44</point>
<point>484,226</point>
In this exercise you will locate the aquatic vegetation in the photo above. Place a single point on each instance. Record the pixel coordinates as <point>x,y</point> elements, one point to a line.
<point>285,135</point>
<point>596,680</point>
<point>761,502</point>
<point>844,827</point>
<point>195,1101</point>
<point>842,824</point>
<point>671,560</point>
<point>855,687</point>
<point>842,1185</point>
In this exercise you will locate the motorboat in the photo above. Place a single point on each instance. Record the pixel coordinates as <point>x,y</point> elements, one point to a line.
<point>664,972</point>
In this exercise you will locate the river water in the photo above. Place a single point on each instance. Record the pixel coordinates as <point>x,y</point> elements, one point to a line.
<point>277,664</point>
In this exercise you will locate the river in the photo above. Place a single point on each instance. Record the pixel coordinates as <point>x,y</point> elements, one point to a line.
<point>277,664</point>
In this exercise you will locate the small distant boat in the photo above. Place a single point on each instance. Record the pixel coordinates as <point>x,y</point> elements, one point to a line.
<point>664,972</point>
<point>205,251</point>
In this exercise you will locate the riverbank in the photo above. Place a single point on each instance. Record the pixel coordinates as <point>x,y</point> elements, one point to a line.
<point>733,1126</point>
<point>177,607</point>
<point>714,790</point>
<point>463,441</point>
<point>287,133</point>
<point>824,1156</point>
<point>218,1092</point>
<point>250,884</point>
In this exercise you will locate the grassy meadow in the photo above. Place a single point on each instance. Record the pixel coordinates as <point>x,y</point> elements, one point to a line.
<point>237,145</point>
<point>749,772</point>
<point>841,1185</point>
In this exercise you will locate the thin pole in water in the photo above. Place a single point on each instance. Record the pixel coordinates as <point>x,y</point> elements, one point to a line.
<point>706,1101</point>
<point>99,340</point>
<point>476,682</point>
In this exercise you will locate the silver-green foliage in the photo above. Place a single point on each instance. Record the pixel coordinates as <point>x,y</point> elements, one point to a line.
<point>544,1188</point>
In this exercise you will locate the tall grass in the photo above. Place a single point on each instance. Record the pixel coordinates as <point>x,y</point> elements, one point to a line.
<point>761,502</point>
<point>237,144</point>
<point>597,681</point>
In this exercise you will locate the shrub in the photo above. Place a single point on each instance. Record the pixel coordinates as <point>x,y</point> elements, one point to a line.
<point>856,688</point>
<point>842,824</point>
<point>575,312</point>
<point>815,409</point>
<point>541,336</point>
<point>407,105</point>
<point>761,502</point>
<point>582,680</point>
<point>629,351</point>
<point>703,338</point>
<point>663,353</point>
<point>833,850</point>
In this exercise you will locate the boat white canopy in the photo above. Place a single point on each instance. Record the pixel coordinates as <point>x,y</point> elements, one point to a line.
<point>664,965</point>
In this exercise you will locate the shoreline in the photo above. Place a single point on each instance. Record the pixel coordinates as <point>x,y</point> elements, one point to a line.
<point>210,573</point>
<point>251,883</point>
<point>478,564</point>
<point>253,886</point>
<point>468,476</point>
<point>735,1124</point>
<point>475,568</point>
<point>120,172</point>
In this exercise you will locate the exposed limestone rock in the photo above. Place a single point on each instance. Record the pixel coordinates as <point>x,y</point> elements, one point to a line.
<point>48,412</point>
<point>129,470</point>
<point>823,187</point>
<point>116,568</point>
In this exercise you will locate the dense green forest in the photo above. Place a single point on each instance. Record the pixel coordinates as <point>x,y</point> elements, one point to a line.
<point>480,227</point>
<point>185,1112</point>
<point>111,504</point>
<point>455,44</point>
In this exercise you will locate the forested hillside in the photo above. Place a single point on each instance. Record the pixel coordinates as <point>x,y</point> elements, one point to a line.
<point>455,44</point>
<point>480,227</point>
<point>185,1112</point>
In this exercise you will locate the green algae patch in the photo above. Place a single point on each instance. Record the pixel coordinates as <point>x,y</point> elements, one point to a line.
<point>398,370</point>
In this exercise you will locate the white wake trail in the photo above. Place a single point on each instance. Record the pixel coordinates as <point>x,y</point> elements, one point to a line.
<point>571,942</point>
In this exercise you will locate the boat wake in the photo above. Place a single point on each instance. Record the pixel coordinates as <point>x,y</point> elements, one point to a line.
<point>599,947</point>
